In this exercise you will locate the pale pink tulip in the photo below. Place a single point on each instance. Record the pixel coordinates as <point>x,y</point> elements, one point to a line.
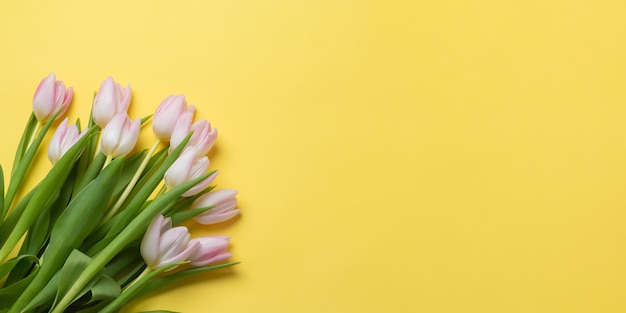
<point>186,168</point>
<point>120,135</point>
<point>224,206</point>
<point>110,100</point>
<point>51,98</point>
<point>203,137</point>
<point>163,245</point>
<point>211,250</point>
<point>167,114</point>
<point>181,128</point>
<point>63,139</point>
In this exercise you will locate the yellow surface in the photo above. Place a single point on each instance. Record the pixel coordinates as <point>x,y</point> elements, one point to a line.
<point>391,156</point>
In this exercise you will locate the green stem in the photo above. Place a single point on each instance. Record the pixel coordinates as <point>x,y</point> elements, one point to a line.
<point>107,161</point>
<point>143,274</point>
<point>34,135</point>
<point>162,190</point>
<point>131,184</point>
<point>129,292</point>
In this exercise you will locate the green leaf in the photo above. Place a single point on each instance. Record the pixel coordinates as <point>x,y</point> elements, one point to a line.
<point>135,287</point>
<point>103,229</point>
<point>132,274</point>
<point>129,235</point>
<point>130,167</point>
<point>46,296</point>
<point>94,168</point>
<point>122,261</point>
<point>85,161</point>
<point>9,293</point>
<point>24,164</point>
<point>177,276</point>
<point>9,224</point>
<point>47,192</point>
<point>182,216</point>
<point>75,264</point>
<point>73,226</point>
<point>26,135</point>
<point>137,200</point>
<point>105,288</point>
<point>145,119</point>
<point>21,270</point>
<point>6,267</point>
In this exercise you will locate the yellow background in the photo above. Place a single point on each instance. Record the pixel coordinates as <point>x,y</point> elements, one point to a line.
<point>391,156</point>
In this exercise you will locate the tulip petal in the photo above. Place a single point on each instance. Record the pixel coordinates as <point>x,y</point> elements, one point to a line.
<point>151,241</point>
<point>214,218</point>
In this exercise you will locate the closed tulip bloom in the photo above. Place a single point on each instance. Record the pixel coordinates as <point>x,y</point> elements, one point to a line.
<point>110,100</point>
<point>63,139</point>
<point>224,206</point>
<point>163,245</point>
<point>186,168</point>
<point>203,138</point>
<point>181,128</point>
<point>51,97</point>
<point>211,250</point>
<point>167,114</point>
<point>120,135</point>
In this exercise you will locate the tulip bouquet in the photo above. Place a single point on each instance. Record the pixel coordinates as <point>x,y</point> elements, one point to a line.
<point>103,227</point>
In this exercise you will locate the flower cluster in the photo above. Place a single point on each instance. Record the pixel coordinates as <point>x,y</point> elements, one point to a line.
<point>104,226</point>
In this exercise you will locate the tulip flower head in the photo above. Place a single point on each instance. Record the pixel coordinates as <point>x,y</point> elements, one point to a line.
<point>51,98</point>
<point>187,167</point>
<point>211,250</point>
<point>63,139</point>
<point>110,100</point>
<point>120,135</point>
<point>167,114</point>
<point>163,245</point>
<point>224,206</point>
<point>202,139</point>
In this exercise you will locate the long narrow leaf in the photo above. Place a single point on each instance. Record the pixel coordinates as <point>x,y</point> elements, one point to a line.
<point>24,164</point>
<point>160,282</point>
<point>26,135</point>
<point>14,216</point>
<point>46,193</point>
<point>9,293</point>
<point>65,236</point>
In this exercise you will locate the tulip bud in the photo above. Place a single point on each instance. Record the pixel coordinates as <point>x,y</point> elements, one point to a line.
<point>167,114</point>
<point>203,137</point>
<point>120,135</point>
<point>181,128</point>
<point>110,100</point>
<point>63,139</point>
<point>223,203</point>
<point>163,245</point>
<point>211,250</point>
<point>51,98</point>
<point>187,167</point>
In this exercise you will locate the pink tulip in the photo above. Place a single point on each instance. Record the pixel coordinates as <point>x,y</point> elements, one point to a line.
<point>167,114</point>
<point>51,98</point>
<point>186,168</point>
<point>110,100</point>
<point>63,139</point>
<point>211,250</point>
<point>224,206</point>
<point>203,137</point>
<point>181,128</point>
<point>163,245</point>
<point>120,135</point>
